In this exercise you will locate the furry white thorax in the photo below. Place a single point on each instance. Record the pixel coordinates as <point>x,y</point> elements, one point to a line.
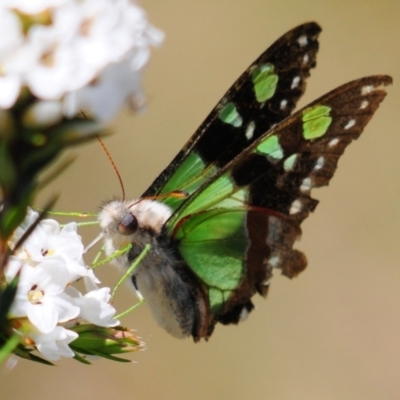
<point>150,214</point>
<point>155,276</point>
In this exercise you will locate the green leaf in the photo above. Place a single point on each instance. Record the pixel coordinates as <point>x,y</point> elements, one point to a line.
<point>8,347</point>
<point>8,172</point>
<point>11,217</point>
<point>102,341</point>
<point>7,296</point>
<point>28,355</point>
<point>82,359</point>
<point>110,357</point>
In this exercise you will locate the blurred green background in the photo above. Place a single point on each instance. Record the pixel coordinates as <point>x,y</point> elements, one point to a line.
<point>332,333</point>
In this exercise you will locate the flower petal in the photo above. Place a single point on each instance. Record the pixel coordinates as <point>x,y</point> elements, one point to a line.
<point>54,344</point>
<point>44,316</point>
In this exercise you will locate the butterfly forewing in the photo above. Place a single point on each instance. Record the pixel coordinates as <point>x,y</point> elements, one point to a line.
<point>243,222</point>
<point>264,95</point>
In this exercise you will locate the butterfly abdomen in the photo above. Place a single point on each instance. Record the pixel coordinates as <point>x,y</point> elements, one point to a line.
<point>166,293</point>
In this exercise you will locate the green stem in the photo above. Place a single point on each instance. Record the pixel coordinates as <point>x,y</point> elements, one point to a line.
<point>130,270</point>
<point>68,214</point>
<point>80,224</point>
<point>113,255</point>
<point>98,255</point>
<point>141,301</point>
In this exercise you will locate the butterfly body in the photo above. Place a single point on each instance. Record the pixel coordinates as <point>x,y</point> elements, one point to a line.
<point>162,278</point>
<point>247,174</point>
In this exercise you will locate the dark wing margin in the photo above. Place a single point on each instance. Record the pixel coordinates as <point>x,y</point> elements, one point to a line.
<point>265,94</point>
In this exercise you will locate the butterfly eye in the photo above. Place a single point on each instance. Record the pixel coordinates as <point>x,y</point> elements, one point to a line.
<point>127,225</point>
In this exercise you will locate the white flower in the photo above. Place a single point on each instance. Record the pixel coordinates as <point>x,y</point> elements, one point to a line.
<point>9,90</point>
<point>32,6</point>
<point>46,304</point>
<point>11,37</point>
<point>118,84</point>
<point>49,240</point>
<point>75,46</point>
<point>95,306</point>
<point>127,49</point>
<point>54,345</point>
<point>55,68</point>
<point>40,294</point>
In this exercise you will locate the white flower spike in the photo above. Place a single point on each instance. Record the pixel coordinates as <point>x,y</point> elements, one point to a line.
<point>69,56</point>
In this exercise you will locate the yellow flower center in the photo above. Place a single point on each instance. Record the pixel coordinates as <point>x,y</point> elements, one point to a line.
<point>35,295</point>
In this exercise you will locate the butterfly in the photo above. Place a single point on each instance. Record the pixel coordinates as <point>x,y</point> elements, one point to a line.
<point>225,213</point>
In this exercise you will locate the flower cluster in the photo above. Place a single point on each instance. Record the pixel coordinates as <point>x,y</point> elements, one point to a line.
<point>66,67</point>
<point>86,53</point>
<point>47,307</point>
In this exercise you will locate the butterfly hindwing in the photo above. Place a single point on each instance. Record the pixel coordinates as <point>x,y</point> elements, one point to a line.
<point>243,222</point>
<point>264,94</point>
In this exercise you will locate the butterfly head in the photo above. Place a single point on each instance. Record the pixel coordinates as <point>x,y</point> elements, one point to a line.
<point>134,221</point>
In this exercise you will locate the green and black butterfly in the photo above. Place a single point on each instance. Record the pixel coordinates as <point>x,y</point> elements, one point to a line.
<point>227,210</point>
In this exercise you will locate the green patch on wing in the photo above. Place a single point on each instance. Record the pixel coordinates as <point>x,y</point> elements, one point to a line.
<point>316,121</point>
<point>271,147</point>
<point>190,175</point>
<point>213,244</point>
<point>235,200</point>
<point>216,192</point>
<point>264,81</point>
<point>218,298</point>
<point>230,115</point>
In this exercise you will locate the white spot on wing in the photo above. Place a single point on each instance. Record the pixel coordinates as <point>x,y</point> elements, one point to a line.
<point>274,261</point>
<point>306,185</point>
<point>366,89</point>
<point>350,124</point>
<point>283,104</point>
<point>250,130</point>
<point>306,59</point>
<point>364,104</point>
<point>302,40</point>
<point>333,142</point>
<point>289,163</point>
<point>320,163</point>
<point>295,207</point>
<point>295,82</point>
<point>243,314</point>
<point>275,230</point>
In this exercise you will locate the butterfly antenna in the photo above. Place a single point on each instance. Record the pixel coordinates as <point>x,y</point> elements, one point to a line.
<point>113,165</point>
